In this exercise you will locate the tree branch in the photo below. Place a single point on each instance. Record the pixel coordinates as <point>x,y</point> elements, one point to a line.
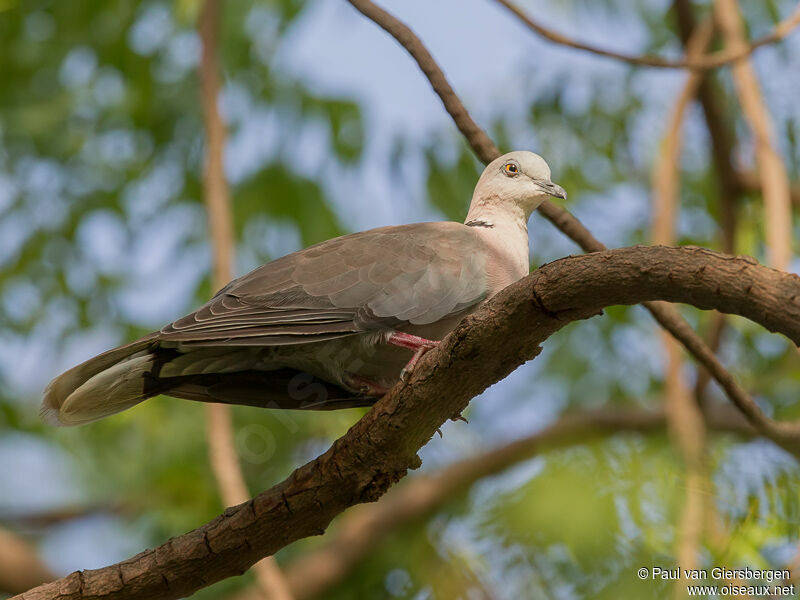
<point>772,172</point>
<point>684,418</point>
<point>215,185</point>
<point>698,63</point>
<point>720,131</point>
<point>363,528</point>
<point>666,172</point>
<point>729,183</point>
<point>481,144</point>
<point>380,448</point>
<point>57,516</point>
<point>751,181</point>
<point>667,316</point>
<point>20,566</point>
<point>222,451</point>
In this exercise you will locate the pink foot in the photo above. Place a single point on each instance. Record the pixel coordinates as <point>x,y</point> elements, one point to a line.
<point>418,344</point>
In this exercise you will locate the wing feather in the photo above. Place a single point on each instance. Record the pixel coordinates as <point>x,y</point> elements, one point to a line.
<point>376,279</point>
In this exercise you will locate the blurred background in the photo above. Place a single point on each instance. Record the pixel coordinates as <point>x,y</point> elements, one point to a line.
<point>332,129</point>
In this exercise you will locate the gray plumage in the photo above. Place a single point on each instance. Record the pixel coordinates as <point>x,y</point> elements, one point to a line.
<point>304,330</point>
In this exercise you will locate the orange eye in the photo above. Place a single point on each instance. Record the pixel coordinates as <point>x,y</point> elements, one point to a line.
<point>511,169</point>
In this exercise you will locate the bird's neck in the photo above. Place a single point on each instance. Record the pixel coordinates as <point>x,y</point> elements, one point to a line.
<point>505,230</point>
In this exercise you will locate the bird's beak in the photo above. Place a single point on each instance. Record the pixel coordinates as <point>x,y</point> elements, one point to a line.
<point>552,189</point>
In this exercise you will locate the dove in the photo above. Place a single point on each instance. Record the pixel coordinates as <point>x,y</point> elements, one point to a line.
<point>335,325</point>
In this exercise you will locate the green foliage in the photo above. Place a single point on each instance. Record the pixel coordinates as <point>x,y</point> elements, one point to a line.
<point>292,198</point>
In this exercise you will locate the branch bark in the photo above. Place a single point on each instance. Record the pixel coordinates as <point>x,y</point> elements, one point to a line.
<point>222,451</point>
<point>772,172</point>
<point>696,63</point>
<point>485,149</point>
<point>380,448</point>
<point>363,528</point>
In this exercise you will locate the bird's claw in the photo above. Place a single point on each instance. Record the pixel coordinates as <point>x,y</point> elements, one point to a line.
<point>418,353</point>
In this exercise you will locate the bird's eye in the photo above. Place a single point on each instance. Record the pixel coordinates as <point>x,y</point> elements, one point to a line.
<point>510,169</point>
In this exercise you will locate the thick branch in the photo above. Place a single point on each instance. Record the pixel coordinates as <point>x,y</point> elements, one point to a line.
<point>484,148</point>
<point>380,448</point>
<point>699,63</point>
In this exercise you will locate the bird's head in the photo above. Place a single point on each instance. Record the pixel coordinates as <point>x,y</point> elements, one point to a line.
<point>514,181</point>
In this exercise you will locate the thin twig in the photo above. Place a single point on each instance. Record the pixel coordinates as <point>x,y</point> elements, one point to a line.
<point>700,63</point>
<point>772,172</point>
<point>47,518</point>
<point>485,149</point>
<point>481,144</point>
<point>222,451</point>
<point>713,339</point>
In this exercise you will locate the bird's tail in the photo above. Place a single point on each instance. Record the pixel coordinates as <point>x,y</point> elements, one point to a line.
<point>101,386</point>
<point>123,377</point>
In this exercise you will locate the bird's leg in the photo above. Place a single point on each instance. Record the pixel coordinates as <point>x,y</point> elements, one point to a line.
<point>418,344</point>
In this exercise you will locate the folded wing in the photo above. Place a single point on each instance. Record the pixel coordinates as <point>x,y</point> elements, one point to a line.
<point>366,281</point>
